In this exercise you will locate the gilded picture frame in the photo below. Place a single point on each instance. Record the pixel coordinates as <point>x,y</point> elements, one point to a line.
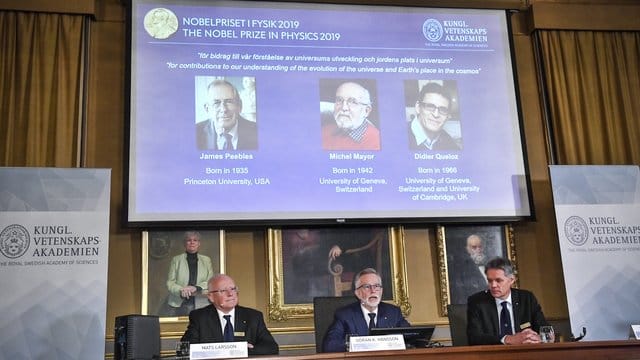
<point>459,275</point>
<point>158,251</point>
<point>300,267</point>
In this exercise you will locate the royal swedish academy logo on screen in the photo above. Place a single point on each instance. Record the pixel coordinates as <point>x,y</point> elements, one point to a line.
<point>432,30</point>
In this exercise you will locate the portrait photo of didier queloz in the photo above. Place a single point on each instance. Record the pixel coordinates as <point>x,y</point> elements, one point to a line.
<point>429,127</point>
<point>225,128</point>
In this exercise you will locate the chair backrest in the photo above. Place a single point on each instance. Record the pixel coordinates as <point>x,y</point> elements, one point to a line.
<point>323,309</point>
<point>457,314</point>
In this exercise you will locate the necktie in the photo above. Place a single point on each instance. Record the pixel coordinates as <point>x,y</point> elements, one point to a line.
<point>505,321</point>
<point>228,329</point>
<point>228,144</point>
<point>372,318</point>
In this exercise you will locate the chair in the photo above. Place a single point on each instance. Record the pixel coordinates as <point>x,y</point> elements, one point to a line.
<point>457,314</point>
<point>323,309</point>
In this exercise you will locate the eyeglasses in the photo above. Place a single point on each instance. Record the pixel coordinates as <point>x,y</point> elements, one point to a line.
<point>224,102</point>
<point>373,287</point>
<point>350,101</point>
<point>228,291</point>
<point>442,110</point>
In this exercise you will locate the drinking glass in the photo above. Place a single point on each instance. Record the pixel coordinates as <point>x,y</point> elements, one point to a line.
<point>546,334</point>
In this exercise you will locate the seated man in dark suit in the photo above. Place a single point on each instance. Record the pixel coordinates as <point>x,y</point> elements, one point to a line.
<point>502,315</point>
<point>224,320</point>
<point>368,312</point>
<point>226,129</point>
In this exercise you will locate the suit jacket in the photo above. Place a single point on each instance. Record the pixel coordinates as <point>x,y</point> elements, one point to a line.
<point>178,276</point>
<point>204,327</point>
<point>207,136</point>
<point>482,316</point>
<point>349,320</point>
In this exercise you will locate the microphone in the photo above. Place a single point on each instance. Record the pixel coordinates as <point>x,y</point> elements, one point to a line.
<point>582,335</point>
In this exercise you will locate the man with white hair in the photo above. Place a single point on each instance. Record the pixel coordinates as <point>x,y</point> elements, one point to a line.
<point>351,128</point>
<point>226,321</point>
<point>468,274</point>
<point>366,313</point>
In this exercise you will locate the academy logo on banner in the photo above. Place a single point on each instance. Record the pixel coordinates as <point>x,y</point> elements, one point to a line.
<point>599,230</point>
<point>48,245</point>
<point>14,241</point>
<point>54,251</point>
<point>576,230</point>
<point>598,217</point>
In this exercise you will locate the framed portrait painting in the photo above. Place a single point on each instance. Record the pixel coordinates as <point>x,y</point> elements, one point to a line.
<point>305,263</point>
<point>166,259</point>
<point>462,252</point>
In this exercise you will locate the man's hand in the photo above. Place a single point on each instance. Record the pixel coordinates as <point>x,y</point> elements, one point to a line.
<point>526,336</point>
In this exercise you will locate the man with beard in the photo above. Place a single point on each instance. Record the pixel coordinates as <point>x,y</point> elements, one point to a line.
<point>351,129</point>
<point>469,274</point>
<point>368,312</point>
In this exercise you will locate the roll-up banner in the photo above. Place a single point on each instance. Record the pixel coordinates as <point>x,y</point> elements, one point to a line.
<point>54,245</point>
<point>598,218</point>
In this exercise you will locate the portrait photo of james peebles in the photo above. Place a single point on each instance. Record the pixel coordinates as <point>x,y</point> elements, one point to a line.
<point>466,250</point>
<point>349,114</point>
<point>176,266</point>
<point>226,115</point>
<point>432,115</point>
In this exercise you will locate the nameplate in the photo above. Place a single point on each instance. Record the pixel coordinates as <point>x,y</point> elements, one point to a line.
<point>635,332</point>
<point>222,350</point>
<point>376,343</point>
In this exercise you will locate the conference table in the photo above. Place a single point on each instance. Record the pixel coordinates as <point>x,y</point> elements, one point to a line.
<point>614,350</point>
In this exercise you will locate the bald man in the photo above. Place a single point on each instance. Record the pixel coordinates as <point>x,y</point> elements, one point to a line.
<point>208,324</point>
<point>351,128</point>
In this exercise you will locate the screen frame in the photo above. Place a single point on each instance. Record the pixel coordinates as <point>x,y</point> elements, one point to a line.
<point>339,221</point>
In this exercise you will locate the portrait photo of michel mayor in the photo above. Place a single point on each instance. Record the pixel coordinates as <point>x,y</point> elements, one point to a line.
<point>349,114</point>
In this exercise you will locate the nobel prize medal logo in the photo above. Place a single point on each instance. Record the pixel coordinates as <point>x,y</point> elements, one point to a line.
<point>160,23</point>
<point>432,30</point>
<point>14,241</point>
<point>576,230</point>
